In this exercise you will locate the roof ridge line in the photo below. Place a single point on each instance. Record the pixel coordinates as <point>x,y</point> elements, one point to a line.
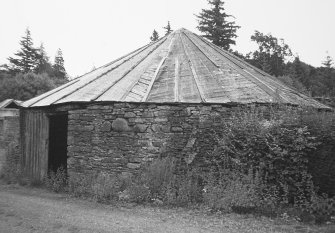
<point>272,92</point>
<point>127,72</point>
<point>139,79</point>
<point>96,78</point>
<point>219,49</point>
<point>176,80</point>
<point>195,76</point>
<point>54,91</point>
<point>215,64</point>
<point>145,97</point>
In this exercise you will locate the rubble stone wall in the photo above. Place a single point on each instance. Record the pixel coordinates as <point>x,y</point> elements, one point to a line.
<point>120,137</point>
<point>9,141</point>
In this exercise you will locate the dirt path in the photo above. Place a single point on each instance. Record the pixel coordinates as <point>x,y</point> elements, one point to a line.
<point>36,210</point>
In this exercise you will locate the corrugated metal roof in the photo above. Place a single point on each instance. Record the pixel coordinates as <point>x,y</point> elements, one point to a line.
<point>181,67</point>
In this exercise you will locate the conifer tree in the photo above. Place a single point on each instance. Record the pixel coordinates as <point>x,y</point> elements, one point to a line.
<point>168,28</point>
<point>26,60</point>
<point>59,69</point>
<point>154,36</point>
<point>215,25</point>
<point>43,64</point>
<point>328,63</point>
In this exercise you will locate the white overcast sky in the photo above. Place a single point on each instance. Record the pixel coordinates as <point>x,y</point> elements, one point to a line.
<point>93,33</point>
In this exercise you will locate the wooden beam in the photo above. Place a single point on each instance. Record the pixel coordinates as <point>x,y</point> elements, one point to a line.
<point>127,72</point>
<point>145,97</point>
<point>195,76</point>
<point>176,81</point>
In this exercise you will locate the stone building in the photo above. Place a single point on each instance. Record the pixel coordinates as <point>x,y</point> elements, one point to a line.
<point>145,104</point>
<point>9,132</point>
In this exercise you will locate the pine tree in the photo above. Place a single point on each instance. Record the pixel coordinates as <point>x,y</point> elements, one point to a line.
<point>168,28</point>
<point>27,57</point>
<point>59,69</point>
<point>328,73</point>
<point>328,63</point>
<point>215,25</point>
<point>43,64</point>
<point>154,36</point>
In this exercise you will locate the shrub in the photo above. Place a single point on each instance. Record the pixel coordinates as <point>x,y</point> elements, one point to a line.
<point>252,162</point>
<point>105,187</point>
<point>158,175</point>
<point>274,144</point>
<point>11,170</point>
<point>81,185</point>
<point>232,191</point>
<point>13,175</point>
<point>321,208</point>
<point>184,189</point>
<point>56,181</point>
<point>138,193</point>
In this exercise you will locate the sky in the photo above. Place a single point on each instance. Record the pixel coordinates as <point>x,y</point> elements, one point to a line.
<point>93,33</point>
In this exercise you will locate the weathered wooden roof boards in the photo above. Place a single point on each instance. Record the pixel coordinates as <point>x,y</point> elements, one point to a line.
<point>179,68</point>
<point>10,103</point>
<point>9,108</point>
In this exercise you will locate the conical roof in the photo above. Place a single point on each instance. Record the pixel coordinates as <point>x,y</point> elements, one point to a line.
<point>181,67</point>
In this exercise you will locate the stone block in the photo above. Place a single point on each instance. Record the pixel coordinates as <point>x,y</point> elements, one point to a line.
<point>177,129</point>
<point>133,165</point>
<point>125,175</point>
<point>106,126</point>
<point>140,128</point>
<point>161,119</point>
<point>148,114</point>
<point>84,128</point>
<point>129,115</point>
<point>157,144</point>
<point>120,125</point>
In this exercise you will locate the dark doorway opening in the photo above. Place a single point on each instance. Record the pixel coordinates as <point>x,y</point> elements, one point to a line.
<point>57,141</point>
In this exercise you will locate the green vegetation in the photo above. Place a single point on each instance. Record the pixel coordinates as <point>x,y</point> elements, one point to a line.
<point>262,163</point>
<point>168,28</point>
<point>215,25</point>
<point>154,37</point>
<point>30,73</point>
<point>273,55</point>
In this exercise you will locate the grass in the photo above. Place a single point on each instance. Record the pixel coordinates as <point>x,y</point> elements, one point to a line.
<point>64,211</point>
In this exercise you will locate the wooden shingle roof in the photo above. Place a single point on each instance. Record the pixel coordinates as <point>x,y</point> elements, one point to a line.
<point>181,67</point>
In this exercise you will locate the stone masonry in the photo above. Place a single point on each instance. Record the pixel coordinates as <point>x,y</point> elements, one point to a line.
<point>120,137</point>
<point>9,141</point>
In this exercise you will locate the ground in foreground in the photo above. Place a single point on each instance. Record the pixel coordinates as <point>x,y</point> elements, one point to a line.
<point>37,210</point>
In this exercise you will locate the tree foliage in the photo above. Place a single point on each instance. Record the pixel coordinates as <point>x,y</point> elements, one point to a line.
<point>58,66</point>
<point>275,58</point>
<point>43,64</point>
<point>154,36</point>
<point>25,86</point>
<point>26,58</point>
<point>271,53</point>
<point>216,26</point>
<point>328,63</point>
<point>168,29</point>
<point>30,72</point>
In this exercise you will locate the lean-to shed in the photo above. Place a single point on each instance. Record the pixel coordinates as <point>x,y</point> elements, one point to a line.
<point>144,104</point>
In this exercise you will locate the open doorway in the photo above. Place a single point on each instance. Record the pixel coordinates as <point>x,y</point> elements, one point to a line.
<point>57,141</point>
